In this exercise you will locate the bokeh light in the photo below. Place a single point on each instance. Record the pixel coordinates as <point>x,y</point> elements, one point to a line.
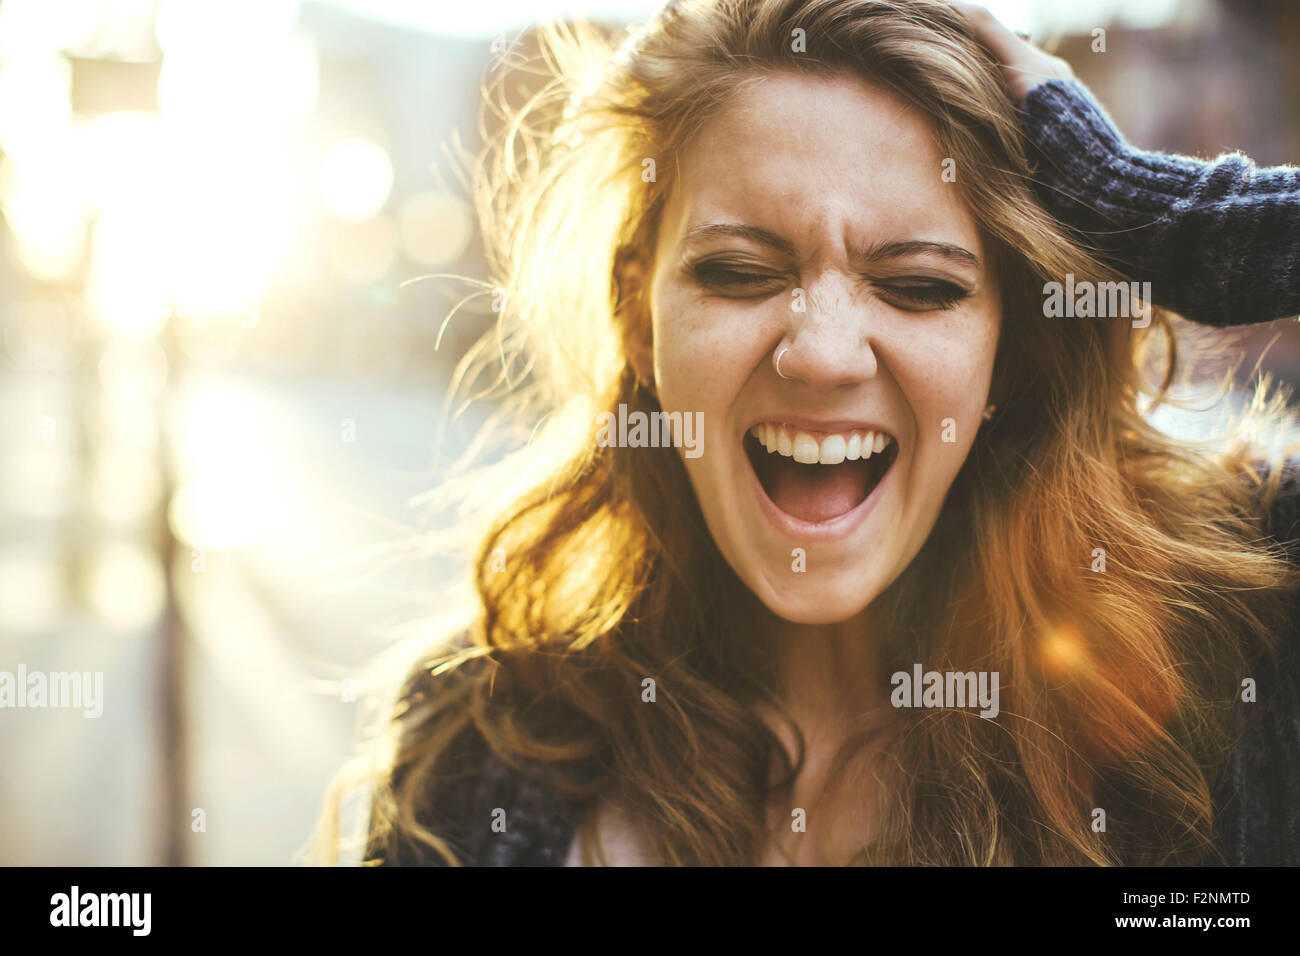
<point>356,177</point>
<point>124,585</point>
<point>435,228</point>
<point>31,588</point>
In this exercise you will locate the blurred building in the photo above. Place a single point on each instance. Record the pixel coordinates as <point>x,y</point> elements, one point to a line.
<point>1218,76</point>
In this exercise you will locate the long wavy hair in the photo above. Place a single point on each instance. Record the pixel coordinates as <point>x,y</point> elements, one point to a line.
<point>1118,686</point>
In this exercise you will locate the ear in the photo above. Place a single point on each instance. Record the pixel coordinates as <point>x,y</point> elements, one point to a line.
<point>998,389</point>
<point>632,311</point>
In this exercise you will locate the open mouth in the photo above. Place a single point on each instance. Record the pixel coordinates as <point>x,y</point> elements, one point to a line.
<point>814,476</point>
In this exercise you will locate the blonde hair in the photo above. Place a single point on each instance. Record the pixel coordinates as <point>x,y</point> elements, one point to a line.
<point>1117,688</point>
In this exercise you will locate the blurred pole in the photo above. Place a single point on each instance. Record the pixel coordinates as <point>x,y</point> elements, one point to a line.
<point>101,86</point>
<point>176,816</point>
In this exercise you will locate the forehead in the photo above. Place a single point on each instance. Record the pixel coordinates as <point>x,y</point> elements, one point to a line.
<point>818,158</point>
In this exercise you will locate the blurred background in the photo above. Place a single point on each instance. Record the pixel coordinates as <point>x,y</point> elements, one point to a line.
<point>222,377</point>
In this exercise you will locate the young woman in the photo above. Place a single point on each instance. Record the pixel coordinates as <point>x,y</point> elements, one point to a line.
<point>810,226</point>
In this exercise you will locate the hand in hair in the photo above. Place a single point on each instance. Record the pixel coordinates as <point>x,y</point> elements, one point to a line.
<point>1219,241</point>
<point>1024,65</point>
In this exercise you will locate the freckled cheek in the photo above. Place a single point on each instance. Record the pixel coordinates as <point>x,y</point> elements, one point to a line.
<point>945,374</point>
<point>697,369</point>
<point>702,360</point>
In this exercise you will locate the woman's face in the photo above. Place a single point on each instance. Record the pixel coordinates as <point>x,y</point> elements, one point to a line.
<point>816,218</point>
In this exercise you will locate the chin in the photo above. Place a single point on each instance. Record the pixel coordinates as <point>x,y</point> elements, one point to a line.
<point>816,614</point>
<point>830,599</point>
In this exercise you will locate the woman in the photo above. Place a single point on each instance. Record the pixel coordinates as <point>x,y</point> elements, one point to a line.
<point>809,226</point>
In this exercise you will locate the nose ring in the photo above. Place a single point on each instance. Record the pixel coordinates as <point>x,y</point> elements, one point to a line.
<point>778,363</point>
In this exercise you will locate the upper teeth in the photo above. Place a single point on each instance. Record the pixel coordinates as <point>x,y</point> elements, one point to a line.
<point>832,449</point>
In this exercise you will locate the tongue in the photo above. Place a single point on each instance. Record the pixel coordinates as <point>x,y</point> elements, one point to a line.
<point>817,492</point>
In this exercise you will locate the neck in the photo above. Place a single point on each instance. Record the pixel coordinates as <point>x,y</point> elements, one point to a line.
<point>829,679</point>
<point>827,674</point>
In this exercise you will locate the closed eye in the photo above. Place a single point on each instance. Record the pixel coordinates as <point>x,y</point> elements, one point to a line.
<point>726,276</point>
<point>923,296</point>
<point>736,280</point>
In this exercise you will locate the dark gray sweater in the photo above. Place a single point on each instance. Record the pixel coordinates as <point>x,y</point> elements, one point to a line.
<point>1220,243</point>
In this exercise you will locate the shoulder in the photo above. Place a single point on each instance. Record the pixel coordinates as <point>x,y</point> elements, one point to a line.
<point>1260,799</point>
<point>1274,489</point>
<point>489,811</point>
<point>1283,510</point>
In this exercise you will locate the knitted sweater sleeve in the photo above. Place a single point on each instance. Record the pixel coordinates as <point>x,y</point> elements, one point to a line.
<point>1219,241</point>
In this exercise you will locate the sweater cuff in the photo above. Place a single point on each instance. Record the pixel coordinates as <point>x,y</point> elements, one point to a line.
<point>1081,156</point>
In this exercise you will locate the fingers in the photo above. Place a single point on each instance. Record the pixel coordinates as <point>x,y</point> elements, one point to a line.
<point>1024,65</point>
<point>990,31</point>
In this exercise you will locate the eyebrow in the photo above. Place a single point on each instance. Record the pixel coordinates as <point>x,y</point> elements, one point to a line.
<point>899,248</point>
<point>893,249</point>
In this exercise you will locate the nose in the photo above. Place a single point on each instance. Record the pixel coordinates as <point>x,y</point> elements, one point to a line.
<point>832,341</point>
